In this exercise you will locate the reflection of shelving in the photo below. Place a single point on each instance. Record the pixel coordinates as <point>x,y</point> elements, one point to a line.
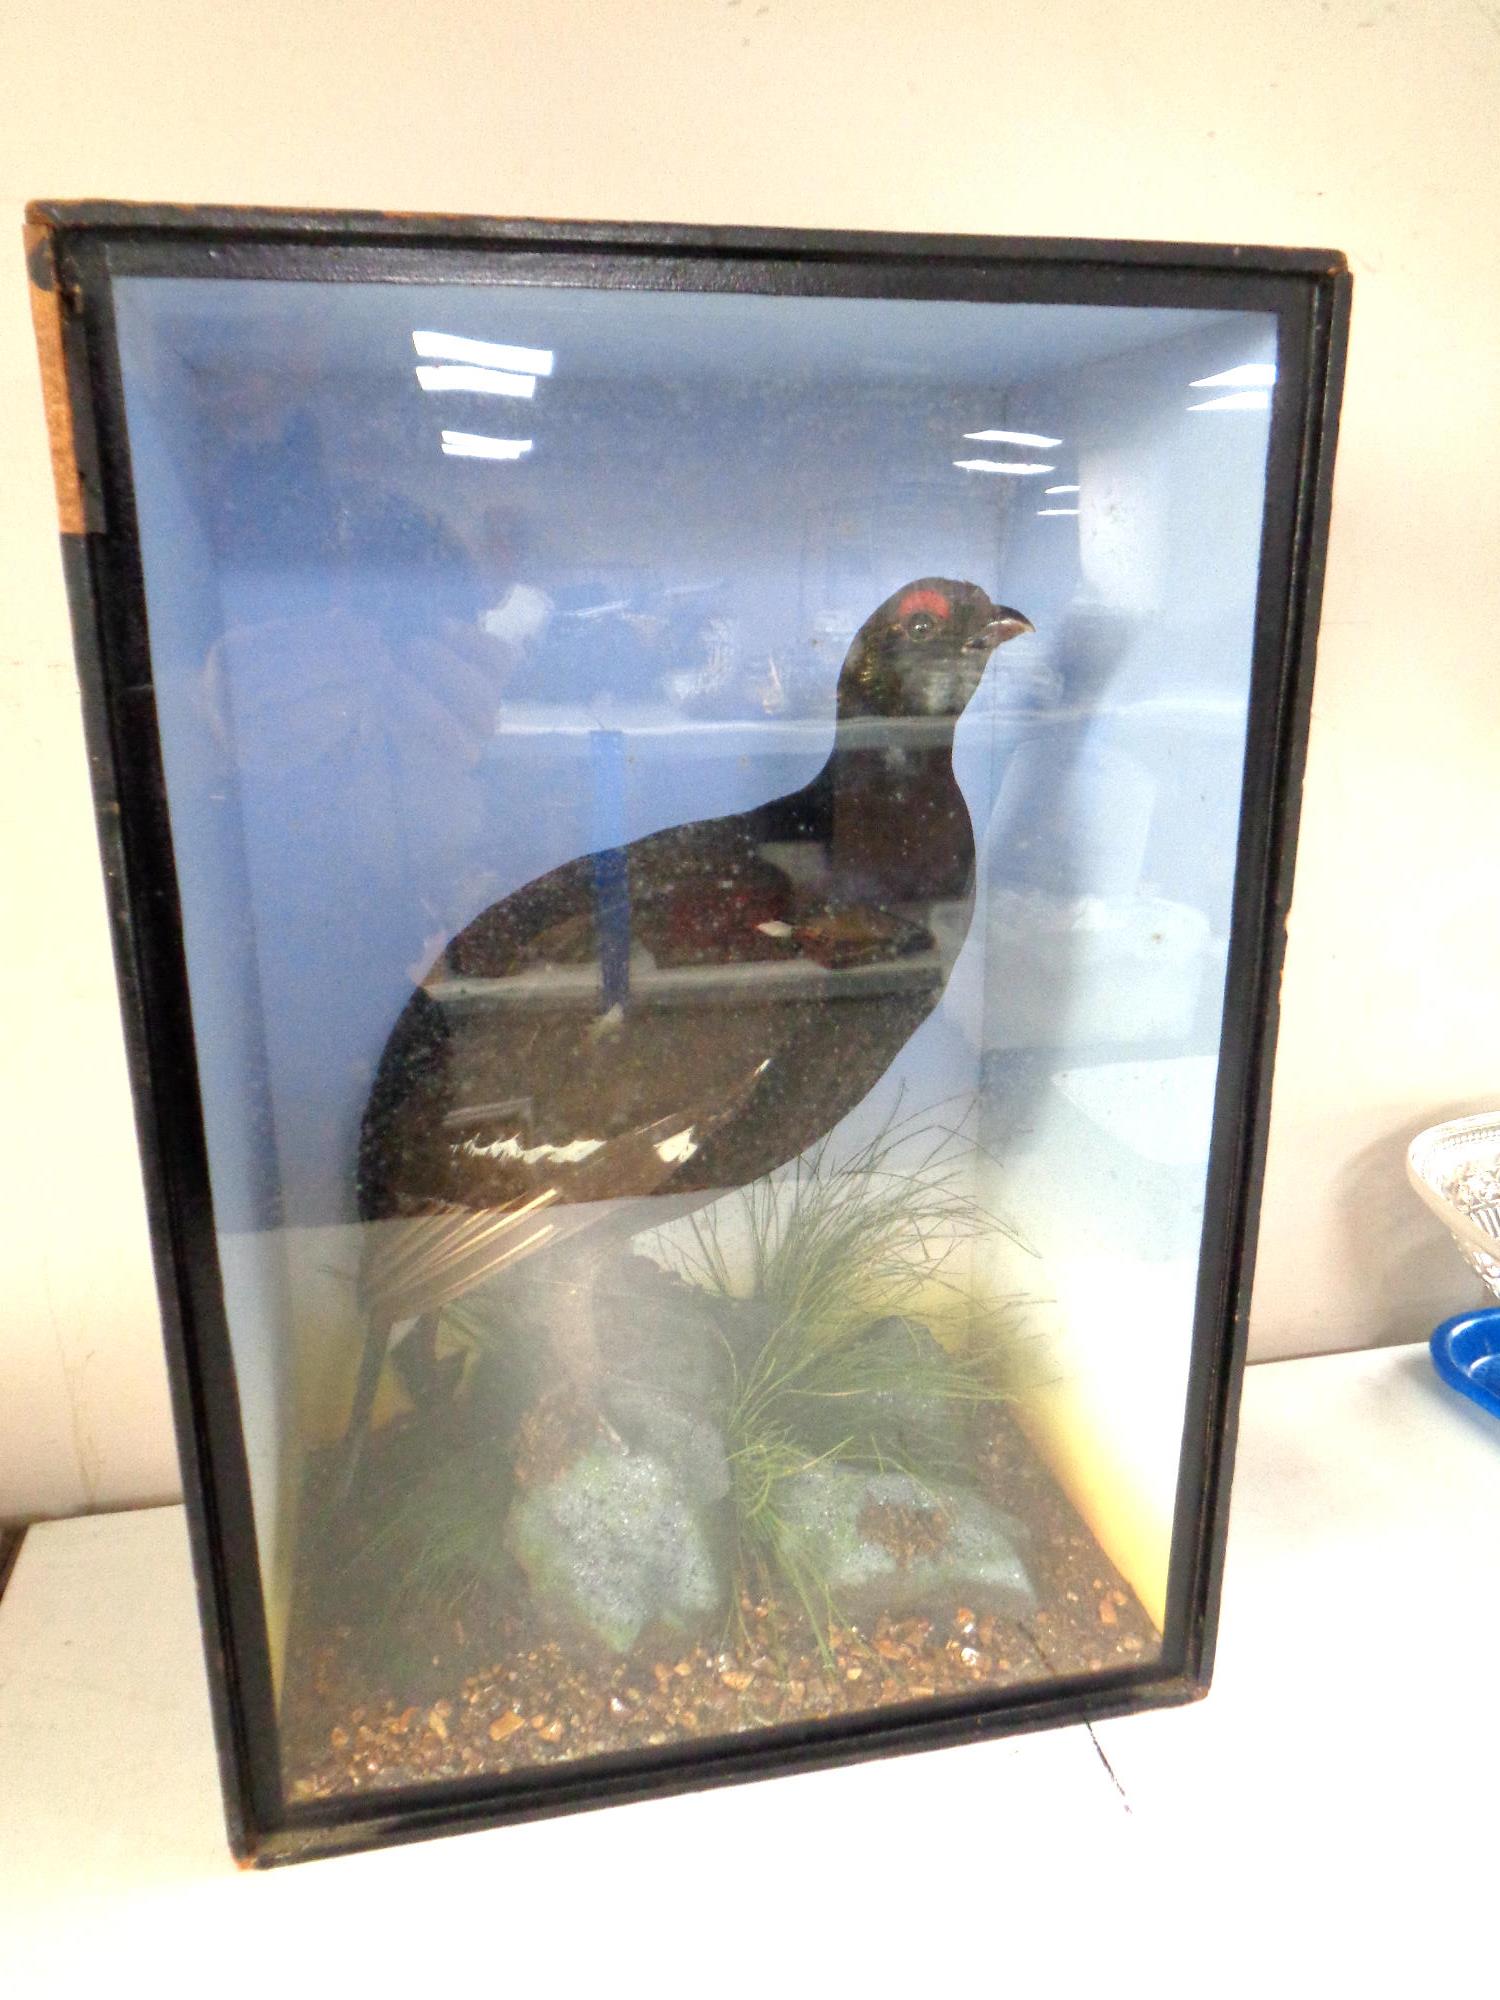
<point>653,730</point>
<point>759,982</point>
<point>656,731</point>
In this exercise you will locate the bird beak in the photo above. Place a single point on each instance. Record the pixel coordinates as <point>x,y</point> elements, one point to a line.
<point>1002,624</point>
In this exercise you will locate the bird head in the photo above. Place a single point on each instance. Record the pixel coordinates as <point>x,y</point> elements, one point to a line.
<point>925,650</point>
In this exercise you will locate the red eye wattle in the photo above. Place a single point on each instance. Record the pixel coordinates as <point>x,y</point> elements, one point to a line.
<point>924,600</point>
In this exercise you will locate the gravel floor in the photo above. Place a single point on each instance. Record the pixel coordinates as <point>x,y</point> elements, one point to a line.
<point>489,1696</point>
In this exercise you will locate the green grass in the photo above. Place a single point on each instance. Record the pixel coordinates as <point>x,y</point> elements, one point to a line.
<point>831,1247</point>
<point>829,1250</point>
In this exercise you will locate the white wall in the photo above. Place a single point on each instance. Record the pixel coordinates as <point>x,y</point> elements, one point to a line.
<point>1368,125</point>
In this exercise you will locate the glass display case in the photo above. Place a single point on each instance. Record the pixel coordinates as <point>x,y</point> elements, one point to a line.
<point>698,824</point>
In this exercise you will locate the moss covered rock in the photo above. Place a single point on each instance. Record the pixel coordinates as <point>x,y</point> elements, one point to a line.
<point>885,1542</point>
<point>671,1429</point>
<point>616,1546</point>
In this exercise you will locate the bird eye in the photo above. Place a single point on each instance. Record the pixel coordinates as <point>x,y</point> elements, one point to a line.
<point>921,625</point>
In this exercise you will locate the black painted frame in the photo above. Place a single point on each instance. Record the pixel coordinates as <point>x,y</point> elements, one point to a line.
<point>75,252</point>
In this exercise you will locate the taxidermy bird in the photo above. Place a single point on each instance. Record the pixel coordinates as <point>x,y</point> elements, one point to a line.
<point>643,1029</point>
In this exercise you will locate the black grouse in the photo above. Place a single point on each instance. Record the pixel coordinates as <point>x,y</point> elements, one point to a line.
<point>640,1030</point>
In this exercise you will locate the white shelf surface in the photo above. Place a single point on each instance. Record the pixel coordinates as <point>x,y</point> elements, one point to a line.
<point>1322,1823</point>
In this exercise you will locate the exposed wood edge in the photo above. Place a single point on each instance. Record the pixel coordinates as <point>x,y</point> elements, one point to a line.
<point>46,316</point>
<point>10,1547</point>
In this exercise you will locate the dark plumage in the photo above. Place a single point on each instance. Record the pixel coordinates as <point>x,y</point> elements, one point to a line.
<point>639,1030</point>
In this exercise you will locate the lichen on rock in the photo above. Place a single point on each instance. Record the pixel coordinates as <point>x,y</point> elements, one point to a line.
<point>616,1546</point>
<point>885,1542</point>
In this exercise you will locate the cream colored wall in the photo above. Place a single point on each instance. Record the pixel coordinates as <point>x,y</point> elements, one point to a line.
<point>1369,125</point>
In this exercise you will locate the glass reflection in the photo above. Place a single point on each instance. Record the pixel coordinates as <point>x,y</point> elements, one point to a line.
<point>707,1083</point>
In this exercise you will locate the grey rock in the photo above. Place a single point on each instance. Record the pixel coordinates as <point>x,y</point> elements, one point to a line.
<point>657,1332</point>
<point>616,1546</point>
<point>913,1412</point>
<point>885,1542</point>
<point>672,1429</point>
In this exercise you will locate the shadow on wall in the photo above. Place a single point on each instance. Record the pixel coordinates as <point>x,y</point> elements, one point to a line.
<point>1418,1274</point>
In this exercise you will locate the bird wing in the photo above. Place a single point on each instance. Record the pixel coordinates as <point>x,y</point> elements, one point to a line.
<point>417,1263</point>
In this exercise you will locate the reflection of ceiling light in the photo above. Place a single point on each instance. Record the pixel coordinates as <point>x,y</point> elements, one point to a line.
<point>1241,399</point>
<point>1249,375</point>
<point>1059,489</point>
<point>483,353</point>
<point>998,465</point>
<point>470,444</point>
<point>482,381</point>
<point>1043,512</point>
<point>1012,437</point>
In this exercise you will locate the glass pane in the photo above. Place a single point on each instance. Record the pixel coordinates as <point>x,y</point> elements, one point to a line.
<point>706,827</point>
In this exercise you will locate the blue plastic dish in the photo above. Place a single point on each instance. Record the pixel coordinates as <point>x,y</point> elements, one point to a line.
<point>1466,1353</point>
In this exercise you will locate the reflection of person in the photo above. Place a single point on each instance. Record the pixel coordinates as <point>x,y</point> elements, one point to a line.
<point>372,708</point>
<point>520,614</point>
<point>258,468</point>
<point>353,726</point>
